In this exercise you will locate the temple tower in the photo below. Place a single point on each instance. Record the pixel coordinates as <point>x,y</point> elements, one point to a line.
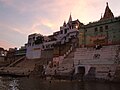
<point>108,13</point>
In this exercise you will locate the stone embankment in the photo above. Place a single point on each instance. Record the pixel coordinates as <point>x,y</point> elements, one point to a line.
<point>14,71</point>
<point>21,67</point>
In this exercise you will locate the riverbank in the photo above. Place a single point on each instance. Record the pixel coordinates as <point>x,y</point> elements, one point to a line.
<point>15,71</point>
<point>21,68</point>
<point>25,72</point>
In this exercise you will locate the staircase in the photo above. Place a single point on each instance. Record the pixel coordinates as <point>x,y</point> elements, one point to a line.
<point>17,61</point>
<point>21,67</point>
<point>105,55</point>
<point>66,67</point>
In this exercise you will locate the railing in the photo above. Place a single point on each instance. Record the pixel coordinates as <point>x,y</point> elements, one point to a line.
<point>17,61</point>
<point>66,54</point>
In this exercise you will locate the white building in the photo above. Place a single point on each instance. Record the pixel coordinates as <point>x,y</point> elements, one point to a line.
<point>37,42</point>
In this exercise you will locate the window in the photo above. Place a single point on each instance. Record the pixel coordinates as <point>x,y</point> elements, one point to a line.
<point>106,27</point>
<point>43,46</point>
<point>33,38</point>
<point>101,29</point>
<point>65,31</point>
<point>96,29</point>
<point>61,31</point>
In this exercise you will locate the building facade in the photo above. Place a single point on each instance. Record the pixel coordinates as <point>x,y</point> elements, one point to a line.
<point>38,43</point>
<point>106,31</point>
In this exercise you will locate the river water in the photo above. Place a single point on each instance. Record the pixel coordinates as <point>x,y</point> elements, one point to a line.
<point>9,83</point>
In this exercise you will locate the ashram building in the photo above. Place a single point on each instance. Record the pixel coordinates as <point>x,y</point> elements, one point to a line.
<point>106,31</point>
<point>102,62</point>
<point>38,44</point>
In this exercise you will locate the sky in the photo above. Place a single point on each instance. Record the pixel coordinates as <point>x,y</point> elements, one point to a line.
<point>20,18</point>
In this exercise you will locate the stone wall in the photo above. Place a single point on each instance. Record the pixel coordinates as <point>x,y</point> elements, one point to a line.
<point>103,60</point>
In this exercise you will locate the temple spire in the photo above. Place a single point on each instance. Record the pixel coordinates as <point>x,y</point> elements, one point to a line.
<point>70,18</point>
<point>108,13</point>
<point>107,3</point>
<point>64,24</point>
<point>101,16</point>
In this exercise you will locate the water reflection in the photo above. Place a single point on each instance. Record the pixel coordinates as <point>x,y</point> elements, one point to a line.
<point>8,83</point>
<point>13,84</point>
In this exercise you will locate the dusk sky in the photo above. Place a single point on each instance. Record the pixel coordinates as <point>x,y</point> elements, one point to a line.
<point>19,18</point>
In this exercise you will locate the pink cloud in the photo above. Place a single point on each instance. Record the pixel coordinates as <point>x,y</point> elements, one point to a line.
<point>6,44</point>
<point>13,28</point>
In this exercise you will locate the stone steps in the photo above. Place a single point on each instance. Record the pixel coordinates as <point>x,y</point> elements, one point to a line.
<point>17,61</point>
